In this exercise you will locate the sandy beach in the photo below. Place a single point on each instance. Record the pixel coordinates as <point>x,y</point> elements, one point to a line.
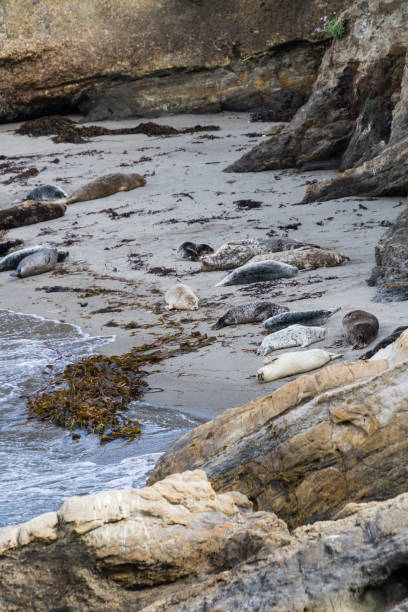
<point>187,197</point>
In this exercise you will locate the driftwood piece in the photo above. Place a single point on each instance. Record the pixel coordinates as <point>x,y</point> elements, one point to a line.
<point>29,212</point>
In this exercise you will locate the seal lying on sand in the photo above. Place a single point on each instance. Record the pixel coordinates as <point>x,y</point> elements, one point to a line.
<point>181,297</point>
<point>46,193</point>
<point>360,328</point>
<point>294,335</point>
<point>37,263</point>
<point>105,186</point>
<point>236,253</point>
<point>384,342</point>
<point>193,251</point>
<point>251,312</point>
<point>11,261</point>
<point>303,317</point>
<point>304,258</point>
<point>258,272</point>
<point>297,362</point>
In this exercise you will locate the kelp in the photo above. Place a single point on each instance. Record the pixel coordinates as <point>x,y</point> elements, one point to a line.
<point>94,393</point>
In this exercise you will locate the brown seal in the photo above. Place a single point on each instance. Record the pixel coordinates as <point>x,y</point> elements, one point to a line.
<point>360,328</point>
<point>106,186</point>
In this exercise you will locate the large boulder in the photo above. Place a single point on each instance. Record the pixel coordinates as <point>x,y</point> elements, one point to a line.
<point>357,112</point>
<point>124,58</point>
<point>317,443</point>
<point>179,546</point>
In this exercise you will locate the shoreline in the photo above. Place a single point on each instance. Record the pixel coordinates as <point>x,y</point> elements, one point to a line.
<point>187,197</point>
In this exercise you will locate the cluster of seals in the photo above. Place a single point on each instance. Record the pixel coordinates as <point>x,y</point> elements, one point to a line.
<point>193,251</point>
<point>236,253</point>
<point>306,317</point>
<point>181,297</point>
<point>12,260</point>
<point>46,193</point>
<point>384,342</point>
<point>360,328</point>
<point>251,312</point>
<point>258,272</point>
<point>39,262</point>
<point>293,363</point>
<point>305,258</point>
<point>294,335</point>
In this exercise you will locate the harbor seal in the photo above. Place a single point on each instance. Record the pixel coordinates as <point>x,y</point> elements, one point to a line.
<point>303,317</point>
<point>305,258</point>
<point>181,297</point>
<point>37,263</point>
<point>251,312</point>
<point>258,272</point>
<point>46,193</point>
<point>296,362</point>
<point>294,335</point>
<point>360,328</point>
<point>193,251</point>
<point>106,186</point>
<point>384,342</point>
<point>11,261</point>
<point>236,253</point>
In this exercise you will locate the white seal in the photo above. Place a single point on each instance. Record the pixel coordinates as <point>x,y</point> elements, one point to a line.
<point>294,335</point>
<point>296,362</point>
<point>181,297</point>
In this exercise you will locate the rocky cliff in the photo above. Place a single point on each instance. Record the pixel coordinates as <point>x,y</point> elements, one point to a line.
<point>120,58</point>
<point>357,113</point>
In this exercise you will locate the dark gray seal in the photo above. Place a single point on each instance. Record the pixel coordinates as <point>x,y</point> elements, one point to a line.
<point>11,261</point>
<point>258,272</point>
<point>251,312</point>
<point>46,193</point>
<point>360,328</point>
<point>193,251</point>
<point>302,317</point>
<point>384,342</point>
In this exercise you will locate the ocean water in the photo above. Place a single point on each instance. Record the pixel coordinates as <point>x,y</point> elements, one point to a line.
<point>40,465</point>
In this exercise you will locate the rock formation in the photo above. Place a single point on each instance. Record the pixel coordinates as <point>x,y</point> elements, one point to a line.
<point>125,58</point>
<point>317,443</point>
<point>357,112</point>
<point>390,274</point>
<point>30,212</point>
<point>179,546</point>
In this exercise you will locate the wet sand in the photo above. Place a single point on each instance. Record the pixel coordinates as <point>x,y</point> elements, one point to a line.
<point>187,197</point>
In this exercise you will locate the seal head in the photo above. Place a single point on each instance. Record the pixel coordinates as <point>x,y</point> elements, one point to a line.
<point>360,328</point>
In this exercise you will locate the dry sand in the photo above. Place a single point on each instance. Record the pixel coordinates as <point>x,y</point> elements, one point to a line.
<point>187,197</point>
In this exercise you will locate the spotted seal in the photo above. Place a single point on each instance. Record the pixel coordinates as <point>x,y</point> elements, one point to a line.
<point>258,272</point>
<point>181,297</point>
<point>46,193</point>
<point>11,261</point>
<point>105,186</point>
<point>39,262</point>
<point>303,317</point>
<point>295,362</point>
<point>360,328</point>
<point>305,258</point>
<point>384,342</point>
<point>193,251</point>
<point>251,312</point>
<point>238,252</point>
<point>294,335</point>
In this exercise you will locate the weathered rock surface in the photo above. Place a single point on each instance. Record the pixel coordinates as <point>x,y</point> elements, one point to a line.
<point>124,58</point>
<point>314,445</point>
<point>179,546</point>
<point>357,112</point>
<point>30,212</point>
<point>390,274</point>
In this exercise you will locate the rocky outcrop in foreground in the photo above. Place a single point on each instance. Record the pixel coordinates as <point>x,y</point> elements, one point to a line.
<point>116,59</point>
<point>179,546</point>
<point>357,112</point>
<point>390,274</point>
<point>317,443</point>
